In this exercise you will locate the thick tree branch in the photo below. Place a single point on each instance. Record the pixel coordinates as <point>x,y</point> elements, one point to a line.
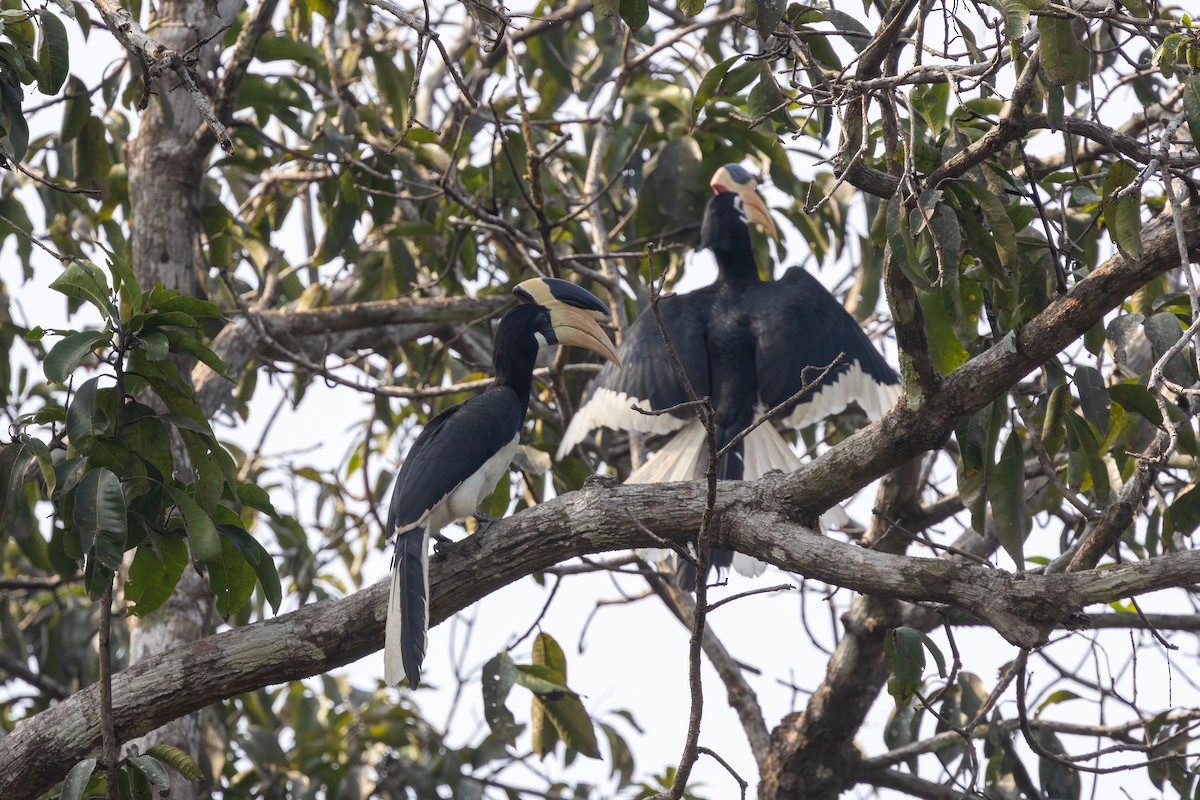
<point>329,634</point>
<point>377,323</point>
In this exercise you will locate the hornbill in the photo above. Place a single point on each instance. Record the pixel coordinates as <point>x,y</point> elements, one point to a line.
<point>461,454</point>
<point>747,345</point>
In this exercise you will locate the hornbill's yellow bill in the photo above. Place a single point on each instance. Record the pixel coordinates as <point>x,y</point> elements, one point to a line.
<point>462,453</point>
<point>575,313</point>
<point>734,178</point>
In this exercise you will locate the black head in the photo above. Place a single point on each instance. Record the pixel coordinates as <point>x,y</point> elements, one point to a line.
<point>725,229</point>
<point>526,323</point>
<point>575,314</point>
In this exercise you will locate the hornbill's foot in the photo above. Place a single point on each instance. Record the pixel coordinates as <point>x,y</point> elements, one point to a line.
<point>483,521</point>
<point>441,542</point>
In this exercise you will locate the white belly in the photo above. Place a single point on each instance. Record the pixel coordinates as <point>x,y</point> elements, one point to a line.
<point>467,496</point>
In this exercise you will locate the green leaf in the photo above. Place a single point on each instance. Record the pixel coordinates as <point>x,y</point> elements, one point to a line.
<point>231,579</point>
<point>711,82</point>
<point>768,15</point>
<point>1132,397</point>
<point>77,109</point>
<point>1006,495</point>
<point>1016,17</point>
<point>571,723</point>
<point>154,572</point>
<point>172,302</point>
<point>1064,60</point>
<point>606,10</point>
<point>1122,215</point>
<point>766,100</point>
<point>154,771</point>
<point>1191,104</point>
<point>203,540</point>
<point>1061,696</point>
<point>945,350</point>
<point>82,280</point>
<point>635,13</point>
<point>1164,331</point>
<point>12,117</point>
<point>255,555</point>
<point>1084,445</point>
<point>14,461</point>
<point>53,53</point>
<point>905,655</point>
<point>163,319</point>
<point>45,462</point>
<point>1183,515</point>
<point>210,481</point>
<point>1054,432</point>
<point>156,344</point>
<point>1093,398</point>
<point>899,238</point>
<point>346,210</point>
<point>101,516</point>
<point>850,27</point>
<point>77,779</point>
<point>998,221</point>
<point>257,498</point>
<point>548,653</point>
<point>929,101</point>
<point>499,676</point>
<point>187,344</point>
<point>1059,780</point>
<point>85,420</point>
<point>65,356</point>
<point>541,680</point>
<point>178,760</point>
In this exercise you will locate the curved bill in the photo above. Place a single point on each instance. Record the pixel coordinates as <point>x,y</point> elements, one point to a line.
<point>575,313</point>
<point>736,179</point>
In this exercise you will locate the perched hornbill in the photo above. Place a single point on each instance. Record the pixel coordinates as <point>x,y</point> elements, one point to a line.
<point>747,345</point>
<point>461,454</point>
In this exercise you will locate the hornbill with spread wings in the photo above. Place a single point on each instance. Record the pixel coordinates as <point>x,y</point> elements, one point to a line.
<point>461,454</point>
<point>748,345</point>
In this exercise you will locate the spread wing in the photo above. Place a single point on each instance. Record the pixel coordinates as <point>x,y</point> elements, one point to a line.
<point>801,328</point>
<point>648,378</point>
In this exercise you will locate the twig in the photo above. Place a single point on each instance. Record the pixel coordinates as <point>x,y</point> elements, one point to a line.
<point>108,730</point>
<point>742,784</point>
<point>541,614</point>
<point>154,58</point>
<point>47,686</point>
<point>782,587</point>
<point>801,392</point>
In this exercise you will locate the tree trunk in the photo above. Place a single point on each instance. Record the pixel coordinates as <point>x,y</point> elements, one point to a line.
<point>166,163</point>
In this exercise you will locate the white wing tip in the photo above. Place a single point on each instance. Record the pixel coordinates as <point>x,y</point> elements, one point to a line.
<point>613,410</point>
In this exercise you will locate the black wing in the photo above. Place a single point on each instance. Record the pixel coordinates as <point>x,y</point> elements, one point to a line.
<point>648,378</point>
<point>800,325</point>
<point>648,374</point>
<point>452,447</point>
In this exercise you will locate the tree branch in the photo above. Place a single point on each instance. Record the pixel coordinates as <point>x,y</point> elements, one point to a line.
<point>329,634</point>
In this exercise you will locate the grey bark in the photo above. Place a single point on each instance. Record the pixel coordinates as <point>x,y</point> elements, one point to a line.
<point>166,163</point>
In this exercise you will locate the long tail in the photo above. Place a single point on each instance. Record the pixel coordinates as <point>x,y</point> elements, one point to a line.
<point>682,458</point>
<point>408,609</point>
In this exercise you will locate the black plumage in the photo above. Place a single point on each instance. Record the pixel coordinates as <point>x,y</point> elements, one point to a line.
<point>747,344</point>
<point>461,454</point>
